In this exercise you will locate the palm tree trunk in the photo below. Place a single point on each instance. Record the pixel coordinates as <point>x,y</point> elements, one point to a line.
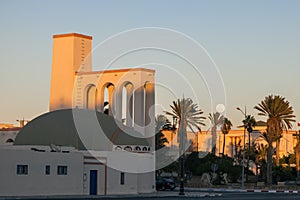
<point>214,139</point>
<point>248,157</point>
<point>235,146</point>
<point>224,141</point>
<point>277,152</point>
<point>269,164</point>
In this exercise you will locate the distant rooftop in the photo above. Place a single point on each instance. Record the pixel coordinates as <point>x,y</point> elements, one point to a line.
<point>8,127</point>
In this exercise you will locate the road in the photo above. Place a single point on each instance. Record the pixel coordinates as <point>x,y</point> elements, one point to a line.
<point>174,196</point>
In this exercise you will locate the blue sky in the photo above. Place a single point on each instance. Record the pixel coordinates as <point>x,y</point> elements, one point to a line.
<point>255,45</point>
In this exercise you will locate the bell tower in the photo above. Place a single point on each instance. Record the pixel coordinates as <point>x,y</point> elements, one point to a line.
<point>71,54</point>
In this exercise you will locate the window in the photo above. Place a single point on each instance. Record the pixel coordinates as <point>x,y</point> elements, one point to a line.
<point>22,169</point>
<point>62,170</point>
<point>47,170</point>
<point>122,180</point>
<point>9,140</point>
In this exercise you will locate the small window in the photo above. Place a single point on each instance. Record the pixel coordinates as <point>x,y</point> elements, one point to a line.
<point>62,170</point>
<point>22,169</point>
<point>122,180</point>
<point>47,170</point>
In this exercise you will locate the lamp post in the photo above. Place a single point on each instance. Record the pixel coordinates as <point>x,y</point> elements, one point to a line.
<point>173,130</point>
<point>243,166</point>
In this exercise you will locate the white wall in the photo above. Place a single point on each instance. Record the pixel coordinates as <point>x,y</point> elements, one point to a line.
<point>36,182</point>
<point>136,180</point>
<point>117,162</point>
<point>114,186</point>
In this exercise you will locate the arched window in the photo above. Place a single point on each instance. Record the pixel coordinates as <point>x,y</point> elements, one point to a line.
<point>128,148</point>
<point>127,104</point>
<point>91,97</point>
<point>9,140</point>
<point>107,97</point>
<point>137,148</point>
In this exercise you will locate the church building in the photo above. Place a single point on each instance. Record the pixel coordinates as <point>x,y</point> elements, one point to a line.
<point>89,143</point>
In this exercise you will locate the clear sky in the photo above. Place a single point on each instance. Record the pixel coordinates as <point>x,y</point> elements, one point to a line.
<point>255,44</point>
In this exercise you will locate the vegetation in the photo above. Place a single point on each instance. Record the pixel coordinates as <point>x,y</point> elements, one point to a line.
<point>209,163</point>
<point>249,123</point>
<point>160,139</point>
<point>226,127</point>
<point>189,116</point>
<point>280,116</point>
<point>216,120</point>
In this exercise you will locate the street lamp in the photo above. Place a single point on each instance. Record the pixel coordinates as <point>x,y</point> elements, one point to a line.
<point>243,166</point>
<point>173,130</point>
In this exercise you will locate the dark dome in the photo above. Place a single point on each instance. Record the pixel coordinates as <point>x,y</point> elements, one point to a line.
<point>93,131</point>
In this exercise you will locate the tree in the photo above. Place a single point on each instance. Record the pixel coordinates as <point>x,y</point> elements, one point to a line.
<point>280,116</point>
<point>160,139</point>
<point>226,127</point>
<point>259,156</point>
<point>216,119</point>
<point>189,116</point>
<point>160,121</point>
<point>249,123</point>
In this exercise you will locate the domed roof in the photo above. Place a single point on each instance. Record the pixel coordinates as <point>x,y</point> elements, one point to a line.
<point>82,129</point>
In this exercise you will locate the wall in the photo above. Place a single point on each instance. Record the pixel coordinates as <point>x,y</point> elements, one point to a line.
<point>36,182</point>
<point>136,181</point>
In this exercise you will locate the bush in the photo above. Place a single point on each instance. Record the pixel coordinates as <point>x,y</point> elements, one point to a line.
<point>281,174</point>
<point>224,164</point>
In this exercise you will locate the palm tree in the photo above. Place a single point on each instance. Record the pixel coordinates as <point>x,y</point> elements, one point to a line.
<point>226,127</point>
<point>280,116</point>
<point>249,122</point>
<point>216,119</point>
<point>160,121</point>
<point>189,115</point>
<point>259,156</point>
<point>160,139</point>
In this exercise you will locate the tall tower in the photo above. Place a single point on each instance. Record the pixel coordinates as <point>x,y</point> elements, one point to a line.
<point>71,54</point>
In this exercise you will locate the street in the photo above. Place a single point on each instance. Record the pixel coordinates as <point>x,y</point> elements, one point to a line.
<point>174,195</point>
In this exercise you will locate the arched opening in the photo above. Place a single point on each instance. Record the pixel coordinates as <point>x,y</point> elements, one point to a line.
<point>124,105</point>
<point>149,101</point>
<point>107,98</point>
<point>9,140</point>
<point>127,104</point>
<point>91,97</point>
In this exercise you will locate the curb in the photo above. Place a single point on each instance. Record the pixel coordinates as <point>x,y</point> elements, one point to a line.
<point>273,191</point>
<point>241,190</point>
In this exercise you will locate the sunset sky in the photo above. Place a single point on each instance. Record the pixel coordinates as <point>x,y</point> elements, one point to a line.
<point>254,44</point>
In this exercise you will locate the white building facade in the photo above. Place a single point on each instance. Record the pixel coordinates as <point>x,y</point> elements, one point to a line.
<point>40,171</point>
